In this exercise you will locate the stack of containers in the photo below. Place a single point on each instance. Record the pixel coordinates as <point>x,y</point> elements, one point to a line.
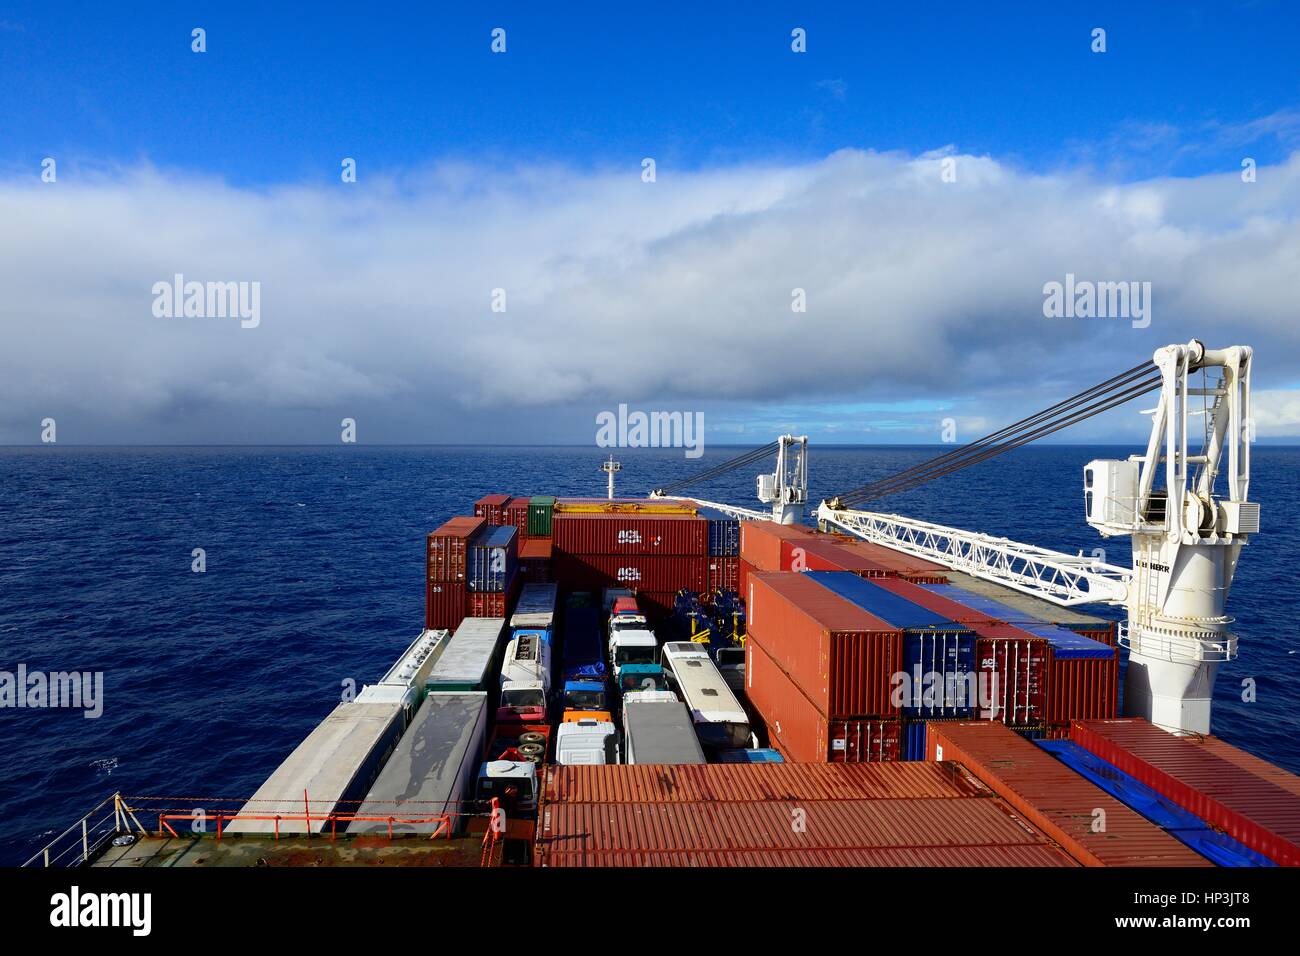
<point>760,547</point>
<point>535,560</point>
<point>938,660</point>
<point>492,570</point>
<point>515,512</point>
<point>916,570</point>
<point>1013,663</point>
<point>541,510</point>
<point>1083,674</point>
<point>724,555</point>
<point>492,507</point>
<point>1021,608</point>
<point>818,669</point>
<point>445,572</point>
<point>654,555</point>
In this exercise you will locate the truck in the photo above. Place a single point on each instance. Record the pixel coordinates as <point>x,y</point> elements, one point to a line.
<point>431,772</point>
<point>631,641</point>
<point>634,677</point>
<point>657,729</point>
<point>525,681</point>
<point>586,741</point>
<point>535,612</point>
<point>585,700</point>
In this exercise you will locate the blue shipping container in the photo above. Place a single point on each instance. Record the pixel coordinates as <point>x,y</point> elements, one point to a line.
<point>938,654</point>
<point>724,538</point>
<point>1066,644</point>
<point>1180,823</point>
<point>491,558</point>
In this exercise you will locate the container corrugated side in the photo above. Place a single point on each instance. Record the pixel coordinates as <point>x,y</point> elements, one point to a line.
<point>824,553</point>
<point>1253,811</point>
<point>432,770</point>
<point>541,513</point>
<point>444,605</point>
<point>735,783</point>
<point>1085,688</point>
<point>903,565</point>
<point>841,657</point>
<point>724,538</point>
<point>639,572</point>
<point>724,574</point>
<point>447,546</point>
<point>801,731</point>
<point>493,603</point>
<point>670,534</point>
<point>334,765</point>
<point>1259,767</point>
<point>1055,799</point>
<point>760,542</point>
<point>492,558</point>
<point>963,856</point>
<point>491,507</point>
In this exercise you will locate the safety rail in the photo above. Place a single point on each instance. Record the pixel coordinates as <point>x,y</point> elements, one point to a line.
<point>1171,645</point>
<point>78,843</point>
<point>444,821</point>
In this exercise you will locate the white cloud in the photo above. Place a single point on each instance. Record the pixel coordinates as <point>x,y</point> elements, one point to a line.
<point>619,290</point>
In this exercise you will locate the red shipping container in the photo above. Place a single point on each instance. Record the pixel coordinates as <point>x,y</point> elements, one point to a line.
<point>904,565</point>
<point>1255,765</point>
<point>1014,667</point>
<point>724,574</point>
<point>1107,634</point>
<point>444,605</point>
<point>801,731</point>
<point>760,542</point>
<point>639,572</point>
<point>447,546</point>
<point>822,554</point>
<point>842,658</point>
<point>491,507</point>
<point>743,570</point>
<point>1055,799</point>
<point>1253,811</point>
<point>515,512</point>
<point>535,560</point>
<point>1086,689</point>
<point>674,534</point>
<point>494,603</point>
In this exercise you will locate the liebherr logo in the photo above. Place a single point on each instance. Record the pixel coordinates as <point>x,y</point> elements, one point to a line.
<point>75,909</point>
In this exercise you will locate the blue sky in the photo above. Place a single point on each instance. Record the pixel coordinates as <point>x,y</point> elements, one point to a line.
<point>171,161</point>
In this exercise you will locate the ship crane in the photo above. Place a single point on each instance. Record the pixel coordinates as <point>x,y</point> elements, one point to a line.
<point>1186,535</point>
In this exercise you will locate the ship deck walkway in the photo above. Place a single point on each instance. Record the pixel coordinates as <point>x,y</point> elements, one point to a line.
<point>247,851</point>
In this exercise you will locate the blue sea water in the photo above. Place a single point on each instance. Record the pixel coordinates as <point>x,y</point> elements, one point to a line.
<point>314,576</point>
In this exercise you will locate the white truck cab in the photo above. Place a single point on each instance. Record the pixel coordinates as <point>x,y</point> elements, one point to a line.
<point>631,641</point>
<point>586,742</point>
<point>513,782</point>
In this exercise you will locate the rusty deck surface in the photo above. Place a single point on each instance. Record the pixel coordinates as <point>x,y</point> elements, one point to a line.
<point>195,850</point>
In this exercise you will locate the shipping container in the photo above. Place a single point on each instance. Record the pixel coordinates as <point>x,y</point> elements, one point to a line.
<point>1016,606</point>
<point>801,731</point>
<point>334,765</point>
<point>447,549</point>
<point>671,534</point>
<point>541,511</point>
<point>824,553</point>
<point>640,572</point>
<point>1085,688</point>
<point>535,609</point>
<point>841,657</point>
<point>760,542</point>
<point>494,603</point>
<point>633,506</point>
<point>444,605</point>
<point>469,660</point>
<point>1055,799</point>
<point>1253,811</point>
<point>492,558</point>
<point>492,507</point>
<point>1013,663</point>
<point>515,513</point>
<point>724,574</point>
<point>535,560</point>
<point>1260,768</point>
<point>743,571</point>
<point>903,565</point>
<point>1034,855</point>
<point>724,538</point>
<point>938,654</point>
<point>432,771</point>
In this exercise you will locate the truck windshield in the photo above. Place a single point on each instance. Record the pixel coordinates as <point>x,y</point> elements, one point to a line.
<point>585,700</point>
<point>526,697</point>
<point>634,655</point>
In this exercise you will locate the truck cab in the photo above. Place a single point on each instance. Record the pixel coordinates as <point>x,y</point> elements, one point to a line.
<point>586,741</point>
<point>513,782</point>
<point>634,677</point>
<point>585,699</point>
<point>631,641</point>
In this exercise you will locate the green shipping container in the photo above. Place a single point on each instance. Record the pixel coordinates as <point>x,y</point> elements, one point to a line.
<point>540,510</point>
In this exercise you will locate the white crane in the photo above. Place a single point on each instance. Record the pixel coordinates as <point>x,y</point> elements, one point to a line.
<point>1186,535</point>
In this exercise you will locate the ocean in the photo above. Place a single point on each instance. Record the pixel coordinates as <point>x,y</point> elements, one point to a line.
<point>314,576</point>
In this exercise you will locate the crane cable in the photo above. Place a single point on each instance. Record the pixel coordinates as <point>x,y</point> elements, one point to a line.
<point>748,458</point>
<point>1093,401</point>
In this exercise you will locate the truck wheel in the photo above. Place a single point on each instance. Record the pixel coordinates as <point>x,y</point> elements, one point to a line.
<point>532,737</point>
<point>532,752</point>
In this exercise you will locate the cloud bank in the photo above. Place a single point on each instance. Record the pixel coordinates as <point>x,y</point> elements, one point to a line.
<point>675,293</point>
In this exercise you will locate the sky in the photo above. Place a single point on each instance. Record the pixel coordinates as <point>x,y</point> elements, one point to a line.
<point>503,270</point>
